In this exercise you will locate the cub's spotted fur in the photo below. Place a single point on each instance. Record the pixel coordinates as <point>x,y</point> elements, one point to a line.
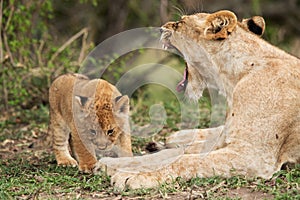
<point>90,115</point>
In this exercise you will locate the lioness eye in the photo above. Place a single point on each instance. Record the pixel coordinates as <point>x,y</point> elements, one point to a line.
<point>93,131</point>
<point>110,132</point>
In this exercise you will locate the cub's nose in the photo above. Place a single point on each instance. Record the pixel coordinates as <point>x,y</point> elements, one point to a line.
<point>161,30</point>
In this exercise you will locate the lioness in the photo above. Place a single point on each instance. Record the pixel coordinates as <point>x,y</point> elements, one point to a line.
<point>262,86</point>
<point>92,115</point>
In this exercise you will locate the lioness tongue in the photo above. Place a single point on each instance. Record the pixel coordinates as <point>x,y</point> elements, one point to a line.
<point>182,84</point>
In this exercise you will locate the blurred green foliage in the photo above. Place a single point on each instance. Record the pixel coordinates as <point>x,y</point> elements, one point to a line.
<point>30,53</point>
<point>43,39</point>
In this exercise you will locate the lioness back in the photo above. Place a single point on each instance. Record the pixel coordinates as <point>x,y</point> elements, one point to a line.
<point>90,116</point>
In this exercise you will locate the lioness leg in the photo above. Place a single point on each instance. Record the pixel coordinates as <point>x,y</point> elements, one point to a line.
<point>197,140</point>
<point>182,142</point>
<point>223,162</point>
<point>290,150</point>
<point>164,157</point>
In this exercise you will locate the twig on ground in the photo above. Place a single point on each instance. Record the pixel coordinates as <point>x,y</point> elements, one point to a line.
<point>36,193</point>
<point>213,189</point>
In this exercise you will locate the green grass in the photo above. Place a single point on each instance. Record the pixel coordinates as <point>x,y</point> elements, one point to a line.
<point>29,174</point>
<point>22,178</point>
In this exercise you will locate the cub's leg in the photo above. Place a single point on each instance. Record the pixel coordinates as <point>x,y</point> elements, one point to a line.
<point>83,152</point>
<point>86,159</point>
<point>60,133</point>
<point>123,146</point>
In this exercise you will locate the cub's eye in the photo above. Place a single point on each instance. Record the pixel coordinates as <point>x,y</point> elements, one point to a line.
<point>110,132</point>
<point>93,132</point>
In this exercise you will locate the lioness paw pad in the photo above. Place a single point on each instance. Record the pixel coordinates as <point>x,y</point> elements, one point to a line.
<point>123,180</point>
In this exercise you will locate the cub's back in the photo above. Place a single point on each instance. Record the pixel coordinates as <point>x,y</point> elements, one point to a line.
<point>61,94</point>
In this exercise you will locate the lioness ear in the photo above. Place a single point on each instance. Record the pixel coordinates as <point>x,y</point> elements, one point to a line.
<point>81,100</point>
<point>122,104</point>
<point>255,24</point>
<point>219,25</point>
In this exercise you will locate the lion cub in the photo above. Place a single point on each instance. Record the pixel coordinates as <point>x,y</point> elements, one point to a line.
<point>90,116</point>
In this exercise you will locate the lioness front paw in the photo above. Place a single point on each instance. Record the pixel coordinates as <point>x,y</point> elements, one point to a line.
<point>99,167</point>
<point>122,180</point>
<point>110,167</point>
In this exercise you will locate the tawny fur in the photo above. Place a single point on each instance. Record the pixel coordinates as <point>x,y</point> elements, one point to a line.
<point>262,86</point>
<point>89,115</point>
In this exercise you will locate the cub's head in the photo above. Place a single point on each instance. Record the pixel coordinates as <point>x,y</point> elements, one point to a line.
<point>201,35</point>
<point>102,119</point>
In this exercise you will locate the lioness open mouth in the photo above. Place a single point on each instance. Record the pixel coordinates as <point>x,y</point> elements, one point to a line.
<point>181,86</point>
<point>183,83</point>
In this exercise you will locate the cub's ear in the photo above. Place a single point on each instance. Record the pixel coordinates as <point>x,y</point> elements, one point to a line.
<point>81,100</point>
<point>219,25</point>
<point>122,104</point>
<point>255,24</point>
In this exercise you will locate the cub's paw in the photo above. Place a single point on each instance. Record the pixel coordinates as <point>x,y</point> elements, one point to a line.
<point>123,180</point>
<point>67,162</point>
<point>86,168</point>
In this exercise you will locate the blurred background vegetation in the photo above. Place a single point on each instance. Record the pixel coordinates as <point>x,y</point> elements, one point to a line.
<point>41,39</point>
